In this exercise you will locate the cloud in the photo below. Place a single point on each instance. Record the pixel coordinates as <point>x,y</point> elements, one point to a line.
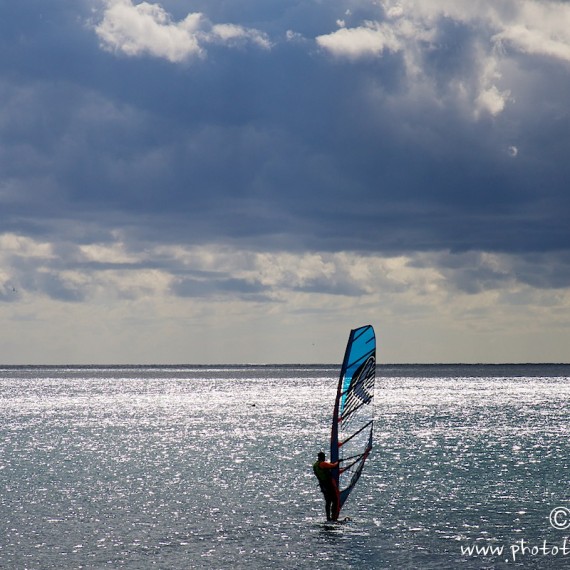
<point>147,29</point>
<point>491,100</point>
<point>219,287</point>
<point>70,272</point>
<point>154,291</point>
<point>232,34</point>
<point>424,34</point>
<point>404,162</point>
<point>391,153</point>
<point>538,28</point>
<point>370,39</point>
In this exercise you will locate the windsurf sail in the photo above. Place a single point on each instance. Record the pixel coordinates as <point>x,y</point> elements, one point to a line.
<point>353,416</point>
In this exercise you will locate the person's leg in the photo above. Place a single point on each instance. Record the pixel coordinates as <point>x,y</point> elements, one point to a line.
<point>328,503</point>
<point>335,498</point>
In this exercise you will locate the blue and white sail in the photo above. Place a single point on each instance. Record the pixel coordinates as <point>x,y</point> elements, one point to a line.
<point>353,416</point>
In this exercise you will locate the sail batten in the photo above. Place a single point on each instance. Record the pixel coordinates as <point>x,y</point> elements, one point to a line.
<point>353,416</point>
<point>341,443</point>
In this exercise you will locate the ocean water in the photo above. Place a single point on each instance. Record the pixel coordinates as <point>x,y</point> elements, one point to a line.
<point>210,467</point>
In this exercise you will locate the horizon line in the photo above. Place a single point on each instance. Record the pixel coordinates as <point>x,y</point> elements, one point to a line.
<point>270,364</point>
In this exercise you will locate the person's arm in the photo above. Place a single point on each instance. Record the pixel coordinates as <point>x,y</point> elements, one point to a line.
<point>327,465</point>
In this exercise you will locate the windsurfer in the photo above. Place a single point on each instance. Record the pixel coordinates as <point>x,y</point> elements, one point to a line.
<point>322,470</point>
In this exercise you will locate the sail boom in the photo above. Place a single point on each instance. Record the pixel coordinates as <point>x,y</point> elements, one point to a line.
<point>356,458</point>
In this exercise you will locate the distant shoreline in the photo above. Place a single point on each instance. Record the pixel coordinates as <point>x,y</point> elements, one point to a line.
<point>380,366</point>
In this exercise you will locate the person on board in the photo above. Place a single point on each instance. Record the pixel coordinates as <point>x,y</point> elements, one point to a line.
<point>322,469</point>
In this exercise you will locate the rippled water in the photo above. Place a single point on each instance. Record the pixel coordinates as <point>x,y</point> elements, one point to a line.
<point>205,467</point>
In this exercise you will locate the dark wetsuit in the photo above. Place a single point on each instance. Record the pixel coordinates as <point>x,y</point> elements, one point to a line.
<point>322,470</point>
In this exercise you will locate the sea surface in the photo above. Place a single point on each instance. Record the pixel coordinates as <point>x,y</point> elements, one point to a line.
<point>184,467</point>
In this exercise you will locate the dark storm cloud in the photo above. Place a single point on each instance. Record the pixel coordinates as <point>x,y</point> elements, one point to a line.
<point>551,271</point>
<point>280,147</point>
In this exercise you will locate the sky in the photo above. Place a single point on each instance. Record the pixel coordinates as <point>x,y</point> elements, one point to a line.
<point>203,181</point>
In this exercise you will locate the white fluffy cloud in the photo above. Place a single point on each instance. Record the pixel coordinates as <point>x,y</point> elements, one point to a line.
<point>502,29</point>
<point>370,39</point>
<point>539,28</point>
<point>145,28</point>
